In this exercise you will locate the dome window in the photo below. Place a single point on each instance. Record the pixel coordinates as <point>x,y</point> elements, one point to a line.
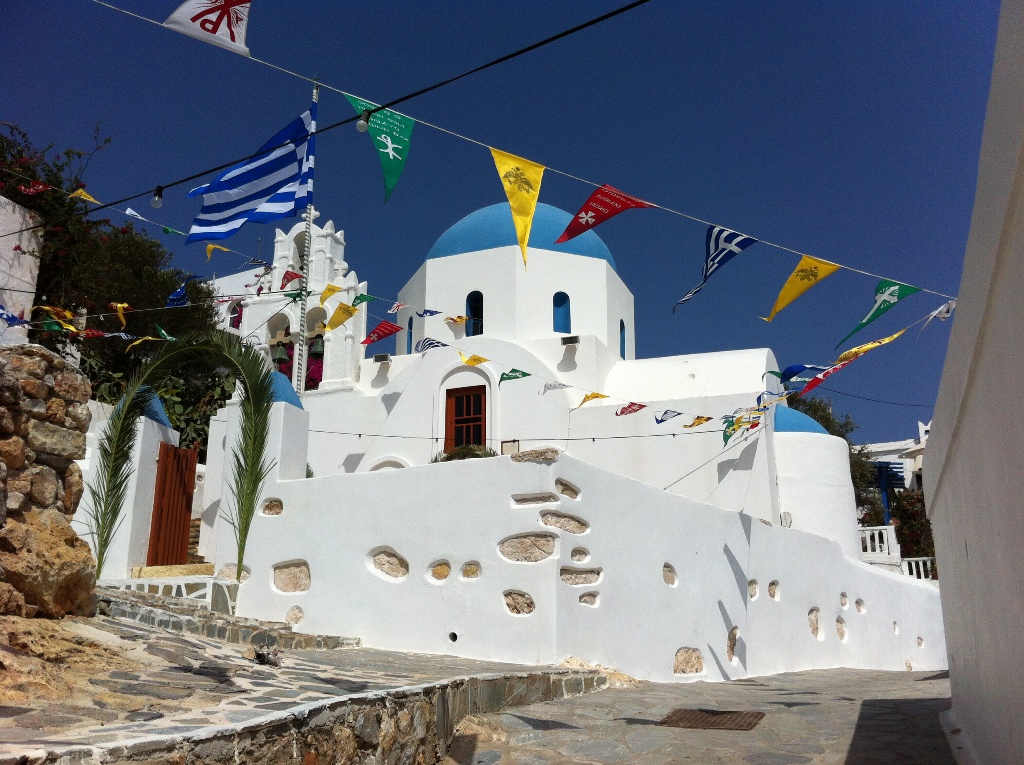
<point>561,313</point>
<point>475,312</point>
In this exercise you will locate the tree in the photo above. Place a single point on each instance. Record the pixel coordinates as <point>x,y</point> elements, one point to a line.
<point>85,264</point>
<point>913,529</point>
<point>862,470</point>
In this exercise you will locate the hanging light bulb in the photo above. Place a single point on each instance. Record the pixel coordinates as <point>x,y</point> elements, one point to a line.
<point>363,123</point>
<point>158,197</point>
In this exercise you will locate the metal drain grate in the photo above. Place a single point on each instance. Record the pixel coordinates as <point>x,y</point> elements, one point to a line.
<point>711,719</point>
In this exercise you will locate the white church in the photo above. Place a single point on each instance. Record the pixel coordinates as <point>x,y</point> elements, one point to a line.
<point>638,541</point>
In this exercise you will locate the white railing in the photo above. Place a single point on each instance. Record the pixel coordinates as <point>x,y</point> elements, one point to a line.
<point>919,568</point>
<point>878,544</point>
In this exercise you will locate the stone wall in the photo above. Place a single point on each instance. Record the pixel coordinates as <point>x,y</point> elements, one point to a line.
<point>45,568</point>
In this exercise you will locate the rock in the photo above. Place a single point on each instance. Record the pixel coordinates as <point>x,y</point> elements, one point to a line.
<point>34,408</point>
<point>11,601</point>
<point>35,388</point>
<point>6,421</point>
<point>12,452</point>
<point>548,454</point>
<point>528,548</point>
<point>57,463</point>
<point>45,486</point>
<point>72,386</point>
<point>391,564</point>
<point>519,603</point>
<point>20,481</point>
<point>15,502</point>
<point>44,437</point>
<point>74,488</point>
<point>21,421</point>
<point>32,352</point>
<point>48,563</point>
<point>55,411</point>
<point>10,390</point>
<point>80,415</point>
<point>24,367</point>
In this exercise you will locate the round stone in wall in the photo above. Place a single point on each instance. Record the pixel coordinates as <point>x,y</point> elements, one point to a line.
<point>390,563</point>
<point>843,600</point>
<point>273,507</point>
<point>730,644</point>
<point>590,598</point>
<point>773,589</point>
<point>565,522</point>
<point>230,571</point>
<point>295,615</point>
<point>527,548</point>
<point>580,554</point>
<point>519,603</point>
<point>471,570</point>
<point>812,622</point>
<point>292,576</point>
<point>688,661</point>
<point>441,570</point>
<point>752,589</point>
<point>575,576</point>
<point>668,574</point>
<point>841,629</point>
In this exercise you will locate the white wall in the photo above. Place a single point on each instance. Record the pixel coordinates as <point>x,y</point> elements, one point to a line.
<point>460,512</point>
<point>18,268</point>
<point>974,456</point>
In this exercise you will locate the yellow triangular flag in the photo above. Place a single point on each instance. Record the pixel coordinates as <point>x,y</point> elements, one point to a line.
<point>473,360</point>
<point>329,290</point>
<point>860,350</point>
<point>81,194</point>
<point>808,272</point>
<point>341,314</point>
<point>132,345</point>
<point>521,179</point>
<point>456,319</point>
<point>211,247</point>
<point>591,397</point>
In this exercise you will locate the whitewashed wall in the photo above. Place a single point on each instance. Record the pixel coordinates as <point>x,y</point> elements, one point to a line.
<point>18,268</point>
<point>460,512</point>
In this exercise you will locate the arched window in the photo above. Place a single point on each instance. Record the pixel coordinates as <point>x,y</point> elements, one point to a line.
<point>475,312</point>
<point>408,337</point>
<point>235,316</point>
<point>562,316</point>
<point>622,338</point>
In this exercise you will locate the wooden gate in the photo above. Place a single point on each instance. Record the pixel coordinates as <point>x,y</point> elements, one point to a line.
<point>172,506</point>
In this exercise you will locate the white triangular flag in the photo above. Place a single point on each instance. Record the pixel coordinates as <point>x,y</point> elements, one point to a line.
<point>219,22</point>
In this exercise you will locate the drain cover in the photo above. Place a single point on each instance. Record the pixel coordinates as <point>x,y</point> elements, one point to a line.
<point>711,719</point>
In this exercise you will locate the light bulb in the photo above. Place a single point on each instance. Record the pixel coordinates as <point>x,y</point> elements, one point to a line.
<point>363,123</point>
<point>158,197</point>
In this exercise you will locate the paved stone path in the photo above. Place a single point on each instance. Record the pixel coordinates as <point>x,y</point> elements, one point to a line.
<point>821,717</point>
<point>188,683</point>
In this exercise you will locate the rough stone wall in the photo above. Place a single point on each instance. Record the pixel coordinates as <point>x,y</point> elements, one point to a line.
<point>45,568</point>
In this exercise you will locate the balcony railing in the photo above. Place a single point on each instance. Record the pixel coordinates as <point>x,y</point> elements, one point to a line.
<point>878,544</point>
<point>920,568</point>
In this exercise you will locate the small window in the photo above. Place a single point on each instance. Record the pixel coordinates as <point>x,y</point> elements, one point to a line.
<point>562,316</point>
<point>408,337</point>
<point>465,417</point>
<point>235,316</point>
<point>475,312</point>
<point>622,338</point>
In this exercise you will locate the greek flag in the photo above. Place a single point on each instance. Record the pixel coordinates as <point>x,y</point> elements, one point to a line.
<point>427,343</point>
<point>722,245</point>
<point>276,182</point>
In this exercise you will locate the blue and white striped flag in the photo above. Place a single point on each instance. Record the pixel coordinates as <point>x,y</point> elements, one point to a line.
<point>722,246</point>
<point>427,343</point>
<point>276,182</point>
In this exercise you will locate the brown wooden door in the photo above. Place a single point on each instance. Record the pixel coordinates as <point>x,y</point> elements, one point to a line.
<point>172,506</point>
<point>465,421</point>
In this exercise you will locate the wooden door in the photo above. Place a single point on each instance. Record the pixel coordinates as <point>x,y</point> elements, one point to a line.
<point>172,506</point>
<point>465,421</point>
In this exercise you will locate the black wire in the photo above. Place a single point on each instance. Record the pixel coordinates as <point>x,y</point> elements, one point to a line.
<point>397,101</point>
<point>554,438</point>
<point>874,400</point>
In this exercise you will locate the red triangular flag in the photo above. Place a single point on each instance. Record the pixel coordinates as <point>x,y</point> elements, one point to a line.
<point>34,188</point>
<point>289,277</point>
<point>603,204</point>
<point>382,330</point>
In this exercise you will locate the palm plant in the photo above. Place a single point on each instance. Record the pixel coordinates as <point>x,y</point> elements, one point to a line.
<point>109,485</point>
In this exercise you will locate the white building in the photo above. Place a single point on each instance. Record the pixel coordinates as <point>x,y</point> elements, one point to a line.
<point>19,267</point>
<point>906,456</point>
<point>649,546</point>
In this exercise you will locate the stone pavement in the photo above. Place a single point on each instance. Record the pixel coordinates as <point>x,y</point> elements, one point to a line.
<point>819,717</point>
<point>182,684</point>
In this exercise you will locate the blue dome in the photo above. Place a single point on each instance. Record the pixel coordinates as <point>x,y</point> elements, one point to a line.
<point>492,227</point>
<point>791,421</point>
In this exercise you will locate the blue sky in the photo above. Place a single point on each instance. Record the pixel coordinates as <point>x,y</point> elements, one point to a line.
<point>846,131</point>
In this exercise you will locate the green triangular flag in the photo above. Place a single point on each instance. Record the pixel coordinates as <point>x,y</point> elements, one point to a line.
<point>887,294</point>
<point>162,332</point>
<point>512,374</point>
<point>360,299</point>
<point>169,230</point>
<point>392,136</point>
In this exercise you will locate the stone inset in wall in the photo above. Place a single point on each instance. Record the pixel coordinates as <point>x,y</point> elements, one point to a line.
<point>538,498</point>
<point>752,590</point>
<point>668,575</point>
<point>577,576</point>
<point>528,548</point>
<point>295,615</point>
<point>859,605</point>
<point>844,601</point>
<point>230,570</point>
<point>580,555</point>
<point>730,645</point>
<point>590,599</point>
<point>273,507</point>
<point>471,570</point>
<point>920,642</point>
<point>689,661</point>
<point>388,563</point>
<point>812,622</point>
<point>519,603</point>
<point>292,576</point>
<point>773,589</point>
<point>565,522</point>
<point>440,570</point>
<point>841,629</point>
<point>566,489</point>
